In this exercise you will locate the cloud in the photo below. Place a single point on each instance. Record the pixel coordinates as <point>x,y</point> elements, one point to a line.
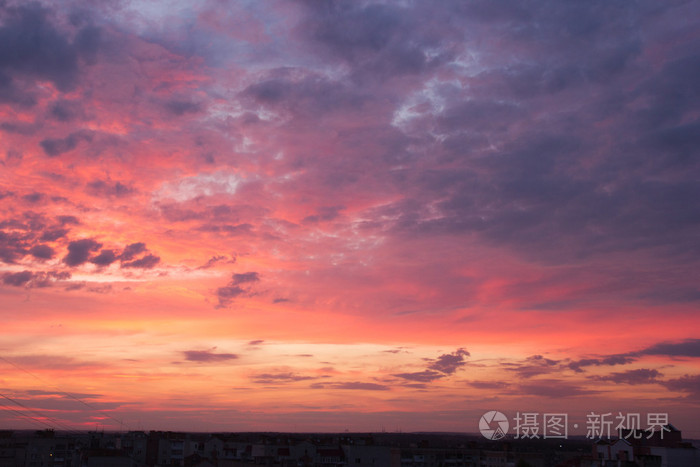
<point>32,47</point>
<point>353,385</point>
<point>688,383</point>
<point>533,366</point>
<point>208,356</point>
<point>491,385</point>
<point>323,214</point>
<point>109,189</point>
<point>639,376</point>
<point>376,40</point>
<point>105,258</point>
<point>182,107</point>
<point>686,348</point>
<point>79,251</point>
<point>280,378</point>
<point>63,220</point>
<point>233,289</point>
<point>65,110</point>
<point>577,365</point>
<point>449,363</point>
<point>56,146</point>
<point>216,259</point>
<point>245,277</point>
<point>426,376</point>
<point>50,361</point>
<point>146,262</point>
<point>444,365</point>
<point>52,235</point>
<point>34,198</point>
<point>42,251</point>
<point>308,96</point>
<point>132,250</point>
<point>32,279</point>
<point>256,342</point>
<point>17,279</point>
<point>552,388</point>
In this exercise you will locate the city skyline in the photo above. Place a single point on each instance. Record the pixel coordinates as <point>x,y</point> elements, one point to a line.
<point>329,216</point>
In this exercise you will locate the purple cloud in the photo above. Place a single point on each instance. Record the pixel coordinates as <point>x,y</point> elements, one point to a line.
<point>146,262</point>
<point>449,363</point>
<point>79,251</point>
<point>280,378</point>
<point>208,356</point>
<point>639,376</point>
<point>426,376</point>
<point>233,289</point>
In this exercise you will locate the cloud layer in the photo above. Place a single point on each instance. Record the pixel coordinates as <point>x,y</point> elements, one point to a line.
<point>402,181</point>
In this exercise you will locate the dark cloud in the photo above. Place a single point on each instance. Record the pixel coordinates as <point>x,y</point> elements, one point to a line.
<point>444,365</point>
<point>256,342</point>
<point>379,40</point>
<point>324,213</point>
<point>488,384</point>
<point>63,220</point>
<point>426,376</point>
<point>230,229</point>
<point>18,237</point>
<point>688,384</point>
<point>181,107</point>
<point>132,250</point>
<point>307,97</point>
<point>79,251</point>
<point>686,348</point>
<point>552,388</point>
<point>639,376</point>
<point>245,277</point>
<point>17,279</point>
<point>577,365</point>
<point>105,258</point>
<point>65,110</point>
<point>56,146</point>
<point>227,294</point>
<point>556,188</point>
<point>360,386</point>
<point>214,260</point>
<point>354,385</point>
<point>449,363</point>
<point>31,46</point>
<point>31,279</point>
<point>533,366</point>
<point>20,128</point>
<point>79,395</point>
<point>53,234</point>
<point>42,251</point>
<point>149,261</point>
<point>104,188</point>
<point>233,289</point>
<point>208,356</point>
<point>280,378</point>
<point>34,198</point>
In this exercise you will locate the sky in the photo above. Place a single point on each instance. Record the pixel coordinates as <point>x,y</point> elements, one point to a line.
<point>364,216</point>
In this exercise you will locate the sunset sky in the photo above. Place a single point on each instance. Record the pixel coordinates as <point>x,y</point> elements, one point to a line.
<point>362,215</point>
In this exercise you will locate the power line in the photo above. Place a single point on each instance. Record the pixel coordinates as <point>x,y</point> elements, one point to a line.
<point>66,394</point>
<point>44,416</point>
